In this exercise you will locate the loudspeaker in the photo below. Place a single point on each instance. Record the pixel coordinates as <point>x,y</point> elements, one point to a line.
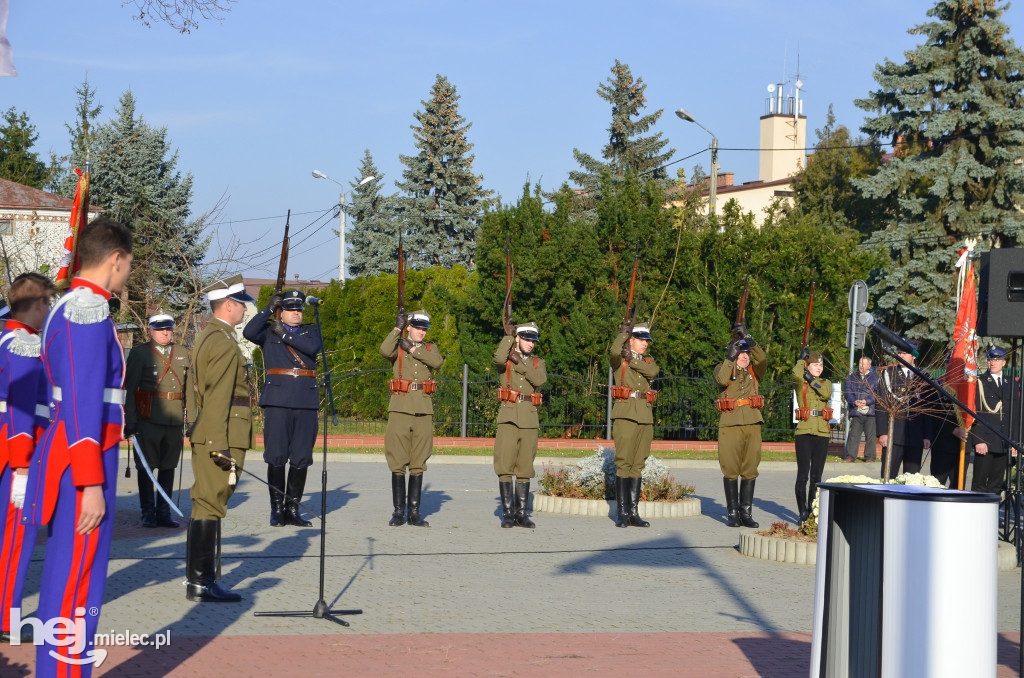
<point>1001,293</point>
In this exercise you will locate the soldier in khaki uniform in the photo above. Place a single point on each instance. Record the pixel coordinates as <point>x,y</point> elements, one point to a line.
<point>409,436</point>
<point>217,398</point>
<point>515,445</point>
<point>632,417</point>
<point>812,430</point>
<point>739,427</point>
<point>154,412</point>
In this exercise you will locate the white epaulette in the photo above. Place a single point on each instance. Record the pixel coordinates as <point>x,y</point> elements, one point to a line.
<point>85,307</point>
<point>24,344</point>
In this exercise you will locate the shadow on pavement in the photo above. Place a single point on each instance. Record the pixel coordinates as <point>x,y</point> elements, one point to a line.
<point>776,656</point>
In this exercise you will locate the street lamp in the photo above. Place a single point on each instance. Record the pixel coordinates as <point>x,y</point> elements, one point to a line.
<point>713,191</point>
<point>317,174</point>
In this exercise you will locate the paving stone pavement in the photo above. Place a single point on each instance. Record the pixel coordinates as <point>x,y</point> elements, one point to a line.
<point>576,594</point>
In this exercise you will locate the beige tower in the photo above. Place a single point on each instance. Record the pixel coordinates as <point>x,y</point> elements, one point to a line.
<point>784,132</point>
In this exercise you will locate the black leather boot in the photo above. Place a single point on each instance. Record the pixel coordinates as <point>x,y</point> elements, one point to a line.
<point>165,477</point>
<point>634,503</point>
<point>146,498</point>
<point>275,479</point>
<point>508,517</point>
<point>747,502</point>
<point>398,499</point>
<point>732,501</point>
<point>200,565</point>
<point>801,504</point>
<point>621,502</point>
<point>522,504</point>
<point>415,490</point>
<point>296,486</point>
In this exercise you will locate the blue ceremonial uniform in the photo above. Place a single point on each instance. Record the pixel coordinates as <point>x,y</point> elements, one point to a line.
<point>84,362</point>
<point>23,391</point>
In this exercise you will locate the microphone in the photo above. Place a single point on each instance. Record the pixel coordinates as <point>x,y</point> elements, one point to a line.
<point>901,344</point>
<point>314,301</point>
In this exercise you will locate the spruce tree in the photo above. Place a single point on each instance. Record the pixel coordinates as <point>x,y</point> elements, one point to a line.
<point>627,150</point>
<point>82,133</point>
<point>954,111</point>
<point>136,181</point>
<point>18,162</point>
<point>444,202</point>
<point>373,237</point>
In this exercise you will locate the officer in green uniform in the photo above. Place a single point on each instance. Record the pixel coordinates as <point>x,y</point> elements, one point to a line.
<point>154,412</point>
<point>632,417</point>
<point>217,397</point>
<point>409,436</point>
<point>739,426</point>
<point>812,429</point>
<point>515,445</point>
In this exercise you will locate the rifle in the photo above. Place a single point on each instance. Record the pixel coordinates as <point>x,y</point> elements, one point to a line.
<point>282,267</point>
<point>630,306</point>
<point>401,276</point>
<point>506,311</point>
<point>807,321</point>
<point>741,311</point>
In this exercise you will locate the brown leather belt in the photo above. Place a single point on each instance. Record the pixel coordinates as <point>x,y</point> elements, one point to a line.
<point>169,396</point>
<point>293,372</point>
<point>239,402</point>
<point>742,401</point>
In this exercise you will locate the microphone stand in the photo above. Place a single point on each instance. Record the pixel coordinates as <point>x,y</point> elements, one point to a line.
<point>321,610</point>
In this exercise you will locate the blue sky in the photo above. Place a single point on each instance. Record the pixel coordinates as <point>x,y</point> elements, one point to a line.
<point>256,102</point>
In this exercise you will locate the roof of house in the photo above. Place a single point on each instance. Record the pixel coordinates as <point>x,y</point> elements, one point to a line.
<point>19,196</point>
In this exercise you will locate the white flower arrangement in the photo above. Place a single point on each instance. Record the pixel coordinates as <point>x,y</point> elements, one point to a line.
<point>901,479</point>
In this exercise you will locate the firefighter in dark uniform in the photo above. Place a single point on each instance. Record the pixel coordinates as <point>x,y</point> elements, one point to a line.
<point>515,444</point>
<point>632,417</point>
<point>290,400</point>
<point>992,404</point>
<point>739,426</point>
<point>154,413</point>
<point>217,402</point>
<point>409,436</point>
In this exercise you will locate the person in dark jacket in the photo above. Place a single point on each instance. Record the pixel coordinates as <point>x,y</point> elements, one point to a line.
<point>902,397</point>
<point>859,391</point>
<point>992,403</point>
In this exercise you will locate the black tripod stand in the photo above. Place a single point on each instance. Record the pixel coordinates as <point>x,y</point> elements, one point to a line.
<point>320,610</point>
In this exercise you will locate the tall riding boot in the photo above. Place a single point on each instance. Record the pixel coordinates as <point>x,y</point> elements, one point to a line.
<point>146,498</point>
<point>522,504</point>
<point>732,501</point>
<point>201,565</point>
<point>275,479</point>
<point>165,477</point>
<point>415,490</point>
<point>398,499</point>
<point>746,502</point>
<point>621,502</point>
<point>801,503</point>
<point>296,486</point>
<point>508,511</point>
<point>634,503</point>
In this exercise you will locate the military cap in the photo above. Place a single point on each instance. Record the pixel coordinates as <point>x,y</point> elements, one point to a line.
<point>996,352</point>
<point>293,300</point>
<point>815,357</point>
<point>643,331</point>
<point>161,321</point>
<point>911,344</point>
<point>228,288</point>
<point>420,319</point>
<point>743,346</point>
<point>528,331</point>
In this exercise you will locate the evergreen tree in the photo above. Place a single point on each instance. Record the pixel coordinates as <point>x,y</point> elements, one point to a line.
<point>18,162</point>
<point>82,134</point>
<point>373,238</point>
<point>136,181</point>
<point>626,150</point>
<point>445,201</point>
<point>955,105</point>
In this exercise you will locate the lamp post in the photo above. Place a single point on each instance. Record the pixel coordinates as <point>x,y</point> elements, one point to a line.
<point>341,218</point>
<point>713,191</point>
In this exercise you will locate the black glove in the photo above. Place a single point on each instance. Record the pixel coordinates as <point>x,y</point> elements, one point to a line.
<point>277,327</point>
<point>804,353</point>
<point>515,356</point>
<point>627,352</point>
<point>130,430</point>
<point>400,320</point>
<point>406,344</point>
<point>222,462</point>
<point>750,341</point>
<point>739,330</point>
<point>510,329</point>
<point>275,303</point>
<point>808,377</point>
<point>733,351</point>
<point>625,327</point>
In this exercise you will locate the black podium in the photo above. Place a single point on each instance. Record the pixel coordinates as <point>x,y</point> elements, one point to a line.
<point>905,584</point>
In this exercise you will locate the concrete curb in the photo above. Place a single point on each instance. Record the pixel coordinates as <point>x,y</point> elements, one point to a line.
<point>605,508</point>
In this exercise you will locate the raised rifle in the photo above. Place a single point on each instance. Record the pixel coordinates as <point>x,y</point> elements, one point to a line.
<point>807,321</point>
<point>741,311</point>
<point>630,305</point>
<point>282,267</point>
<point>506,309</point>
<point>401,276</point>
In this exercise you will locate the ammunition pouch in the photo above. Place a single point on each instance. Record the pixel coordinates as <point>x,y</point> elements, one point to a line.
<point>803,413</point>
<point>429,386</point>
<point>725,404</point>
<point>508,395</point>
<point>536,398</point>
<point>144,404</point>
<point>827,413</point>
<point>757,401</point>
<point>651,396</point>
<point>399,385</point>
<point>622,392</point>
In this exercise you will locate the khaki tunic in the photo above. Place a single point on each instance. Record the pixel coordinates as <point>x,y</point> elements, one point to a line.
<point>515,445</point>
<point>160,435</point>
<point>409,436</point>
<point>633,418</point>
<point>739,431</point>
<point>817,397</point>
<point>217,386</point>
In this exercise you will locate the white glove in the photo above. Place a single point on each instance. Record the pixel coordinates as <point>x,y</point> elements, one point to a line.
<point>18,485</point>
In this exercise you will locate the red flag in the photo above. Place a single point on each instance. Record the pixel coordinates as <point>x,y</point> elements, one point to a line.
<point>79,217</point>
<point>962,368</point>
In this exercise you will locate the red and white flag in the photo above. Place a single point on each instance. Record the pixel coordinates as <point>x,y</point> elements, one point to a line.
<point>79,217</point>
<point>6,57</point>
<point>962,368</point>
